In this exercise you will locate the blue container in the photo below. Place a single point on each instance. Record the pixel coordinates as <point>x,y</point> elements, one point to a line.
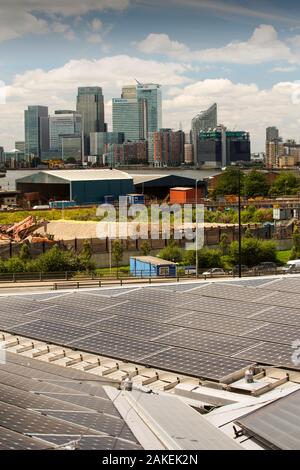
<point>61,204</point>
<point>109,199</point>
<point>136,199</point>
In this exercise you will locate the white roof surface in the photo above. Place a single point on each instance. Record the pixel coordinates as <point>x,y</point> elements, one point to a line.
<point>88,175</point>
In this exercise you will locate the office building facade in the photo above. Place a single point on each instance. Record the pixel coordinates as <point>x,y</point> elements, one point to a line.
<point>61,124</point>
<point>98,141</point>
<point>222,147</point>
<point>90,105</point>
<point>71,147</point>
<point>152,94</point>
<point>36,130</point>
<point>206,120</point>
<point>130,118</point>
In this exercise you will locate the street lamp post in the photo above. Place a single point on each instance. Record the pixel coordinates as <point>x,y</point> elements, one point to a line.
<point>196,197</point>
<point>240,224</point>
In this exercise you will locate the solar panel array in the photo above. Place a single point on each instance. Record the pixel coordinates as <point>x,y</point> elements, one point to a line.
<point>54,407</point>
<point>208,330</point>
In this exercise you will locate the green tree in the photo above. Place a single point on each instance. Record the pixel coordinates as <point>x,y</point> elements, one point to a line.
<point>24,253</point>
<point>286,184</point>
<point>228,182</point>
<point>56,260</point>
<point>145,247</point>
<point>254,251</point>
<point>117,253</point>
<point>85,256</point>
<point>295,252</point>
<point>224,244</point>
<point>255,184</point>
<point>172,252</point>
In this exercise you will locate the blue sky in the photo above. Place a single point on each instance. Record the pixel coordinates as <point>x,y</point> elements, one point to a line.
<point>244,55</point>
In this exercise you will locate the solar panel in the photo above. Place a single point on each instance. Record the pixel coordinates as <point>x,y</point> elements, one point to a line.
<point>222,306</point>
<point>119,347</point>
<point>205,341</point>
<point>148,311</point>
<point>10,440</point>
<point>278,355</point>
<point>79,316</point>
<point>129,326</point>
<point>94,442</point>
<point>197,363</point>
<point>215,322</point>
<point>285,316</point>
<point>281,334</point>
<point>60,333</point>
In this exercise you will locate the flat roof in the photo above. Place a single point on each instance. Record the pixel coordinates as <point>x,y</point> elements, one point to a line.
<point>88,175</point>
<point>181,189</point>
<point>153,260</point>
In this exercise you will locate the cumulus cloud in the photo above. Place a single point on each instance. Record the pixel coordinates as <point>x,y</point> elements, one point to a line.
<point>20,17</point>
<point>264,45</point>
<point>283,69</point>
<point>241,106</point>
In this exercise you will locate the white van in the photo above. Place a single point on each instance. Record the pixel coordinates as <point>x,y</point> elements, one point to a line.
<point>292,266</point>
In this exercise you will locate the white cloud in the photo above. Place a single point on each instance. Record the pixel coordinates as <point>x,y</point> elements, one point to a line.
<point>283,69</point>
<point>96,25</point>
<point>57,88</point>
<point>241,106</point>
<point>263,46</point>
<point>20,17</point>
<point>94,38</point>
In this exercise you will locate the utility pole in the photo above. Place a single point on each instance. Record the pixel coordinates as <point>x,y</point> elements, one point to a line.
<point>196,197</point>
<point>240,224</point>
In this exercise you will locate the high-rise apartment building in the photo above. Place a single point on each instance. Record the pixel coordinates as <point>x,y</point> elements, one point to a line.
<point>36,130</point>
<point>63,122</point>
<point>167,148</point>
<point>152,94</point>
<point>204,121</point>
<point>90,104</point>
<point>274,147</point>
<point>128,153</point>
<point>130,118</point>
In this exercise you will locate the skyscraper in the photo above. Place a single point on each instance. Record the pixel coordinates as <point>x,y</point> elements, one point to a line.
<point>130,117</point>
<point>129,92</point>
<point>204,121</point>
<point>152,94</point>
<point>90,104</point>
<point>36,130</point>
<point>99,140</point>
<point>63,122</point>
<point>274,147</point>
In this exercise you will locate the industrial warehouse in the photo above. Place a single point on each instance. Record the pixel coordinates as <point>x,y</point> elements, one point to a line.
<point>93,186</point>
<point>120,368</point>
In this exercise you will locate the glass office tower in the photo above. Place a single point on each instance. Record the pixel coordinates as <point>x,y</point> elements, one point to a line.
<point>36,130</point>
<point>152,94</point>
<point>63,123</point>
<point>204,121</point>
<point>130,117</point>
<point>90,104</point>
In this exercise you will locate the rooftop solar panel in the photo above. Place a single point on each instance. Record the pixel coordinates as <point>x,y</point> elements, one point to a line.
<point>278,355</point>
<point>206,341</point>
<point>276,424</point>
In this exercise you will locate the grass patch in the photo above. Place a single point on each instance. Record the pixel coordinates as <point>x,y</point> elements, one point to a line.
<point>283,256</point>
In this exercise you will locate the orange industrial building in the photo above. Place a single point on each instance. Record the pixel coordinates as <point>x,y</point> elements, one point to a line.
<point>186,195</point>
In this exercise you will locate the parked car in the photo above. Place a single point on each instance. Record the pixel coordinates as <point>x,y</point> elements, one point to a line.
<point>189,270</point>
<point>292,266</point>
<point>214,272</point>
<point>235,269</point>
<point>266,267</point>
